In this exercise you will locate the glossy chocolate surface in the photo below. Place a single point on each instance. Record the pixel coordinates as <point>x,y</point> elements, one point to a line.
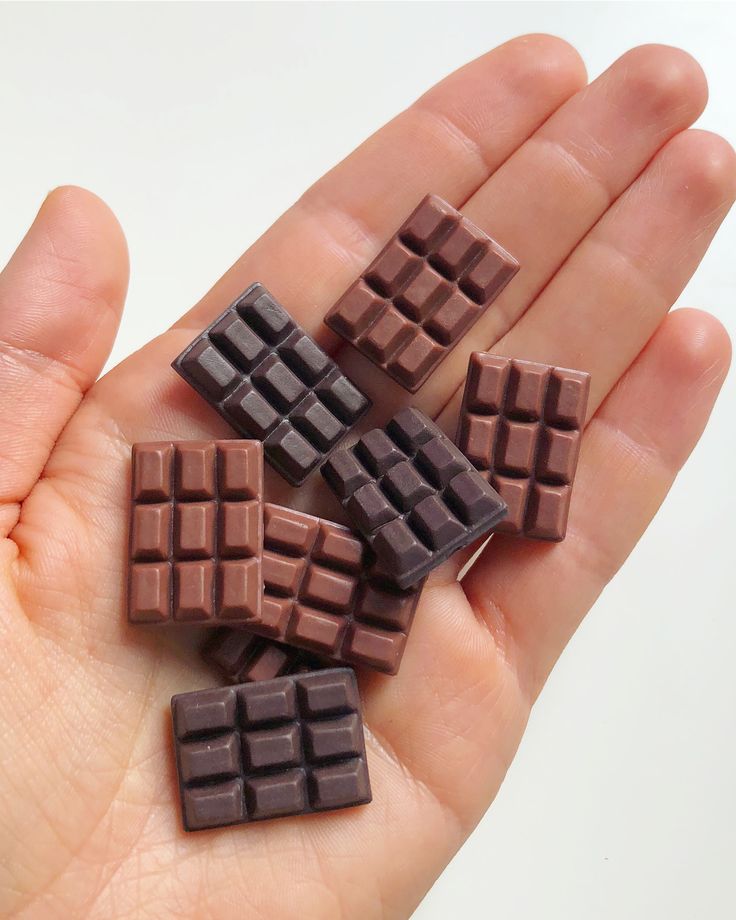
<point>520,425</point>
<point>412,494</point>
<point>271,381</point>
<point>196,532</point>
<point>281,747</point>
<point>419,297</point>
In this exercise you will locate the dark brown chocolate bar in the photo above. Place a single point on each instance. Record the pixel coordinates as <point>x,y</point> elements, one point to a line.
<point>420,296</point>
<point>323,593</point>
<point>196,532</point>
<point>412,494</point>
<point>280,747</point>
<point>242,657</point>
<point>271,381</point>
<point>520,425</point>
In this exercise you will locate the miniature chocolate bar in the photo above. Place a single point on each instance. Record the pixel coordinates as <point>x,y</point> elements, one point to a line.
<point>242,657</point>
<point>520,425</point>
<point>412,494</point>
<point>271,381</point>
<point>420,296</point>
<point>280,747</point>
<point>323,593</point>
<point>196,532</point>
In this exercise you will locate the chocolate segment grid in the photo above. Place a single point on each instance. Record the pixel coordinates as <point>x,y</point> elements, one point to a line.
<point>520,424</point>
<point>323,593</point>
<point>280,747</point>
<point>242,657</point>
<point>423,292</point>
<point>412,494</point>
<point>271,381</point>
<point>196,532</point>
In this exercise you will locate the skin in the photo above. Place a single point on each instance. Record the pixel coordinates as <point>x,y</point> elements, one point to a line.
<point>609,201</point>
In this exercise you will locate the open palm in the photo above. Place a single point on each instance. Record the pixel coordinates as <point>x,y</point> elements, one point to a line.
<point>609,203</point>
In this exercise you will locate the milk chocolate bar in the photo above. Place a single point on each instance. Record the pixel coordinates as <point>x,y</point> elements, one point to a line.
<point>280,747</point>
<point>324,593</point>
<point>196,532</point>
<point>520,425</point>
<point>419,297</point>
<point>242,657</point>
<point>412,494</point>
<point>271,381</point>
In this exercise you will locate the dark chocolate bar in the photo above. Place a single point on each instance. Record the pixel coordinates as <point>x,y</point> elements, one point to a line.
<point>412,494</point>
<point>196,532</point>
<point>323,593</point>
<point>420,296</point>
<point>242,657</point>
<point>271,381</point>
<point>280,747</point>
<point>520,425</point>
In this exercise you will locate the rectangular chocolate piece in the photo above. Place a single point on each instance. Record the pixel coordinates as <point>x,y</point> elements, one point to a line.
<point>419,297</point>
<point>288,746</point>
<point>520,425</point>
<point>196,532</point>
<point>242,657</point>
<point>323,593</point>
<point>271,381</point>
<point>412,494</point>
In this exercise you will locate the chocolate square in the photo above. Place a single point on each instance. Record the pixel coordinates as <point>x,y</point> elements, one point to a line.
<point>521,425</point>
<point>323,593</point>
<point>271,381</point>
<point>413,495</point>
<point>288,746</point>
<point>196,532</point>
<point>422,293</point>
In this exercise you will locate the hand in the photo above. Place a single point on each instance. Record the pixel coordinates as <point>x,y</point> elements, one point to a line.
<point>609,203</point>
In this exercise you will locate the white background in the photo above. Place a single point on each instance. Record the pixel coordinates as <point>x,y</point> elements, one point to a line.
<point>199,125</point>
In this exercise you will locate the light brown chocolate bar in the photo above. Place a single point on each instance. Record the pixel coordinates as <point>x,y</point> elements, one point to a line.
<point>196,532</point>
<point>323,593</point>
<point>423,292</point>
<point>520,425</point>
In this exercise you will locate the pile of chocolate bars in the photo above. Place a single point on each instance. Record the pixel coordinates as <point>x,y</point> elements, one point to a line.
<point>299,594</point>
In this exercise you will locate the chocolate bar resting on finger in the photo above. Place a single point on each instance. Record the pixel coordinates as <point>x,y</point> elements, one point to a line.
<point>324,593</point>
<point>521,425</point>
<point>432,281</point>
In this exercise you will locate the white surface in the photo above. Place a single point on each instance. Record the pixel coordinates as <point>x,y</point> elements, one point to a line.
<point>199,125</point>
